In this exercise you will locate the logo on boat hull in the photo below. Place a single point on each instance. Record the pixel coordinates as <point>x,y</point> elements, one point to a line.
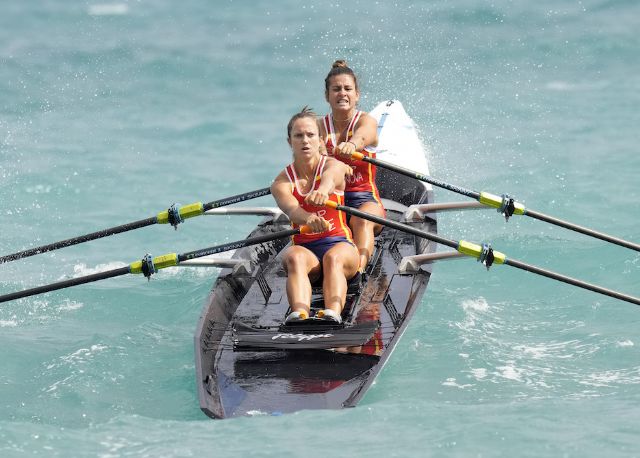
<point>300,337</point>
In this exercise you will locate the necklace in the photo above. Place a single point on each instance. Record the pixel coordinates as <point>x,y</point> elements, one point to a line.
<point>343,120</point>
<point>346,121</point>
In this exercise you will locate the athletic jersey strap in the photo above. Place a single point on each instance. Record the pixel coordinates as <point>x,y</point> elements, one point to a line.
<point>337,222</point>
<point>293,178</point>
<point>332,139</point>
<point>364,173</point>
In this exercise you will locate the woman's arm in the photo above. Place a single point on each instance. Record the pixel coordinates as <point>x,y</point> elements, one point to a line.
<point>323,137</point>
<point>332,179</point>
<point>364,134</point>
<point>281,192</point>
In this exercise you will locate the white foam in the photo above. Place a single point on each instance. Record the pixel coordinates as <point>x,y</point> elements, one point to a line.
<point>472,308</point>
<point>537,352</point>
<point>479,305</point>
<point>39,189</point>
<point>566,86</point>
<point>601,379</point>
<point>189,272</point>
<point>84,353</point>
<point>479,373</point>
<point>510,373</point>
<point>625,343</point>
<point>559,86</point>
<point>80,270</point>
<point>8,323</point>
<point>70,305</point>
<point>452,382</point>
<point>108,9</point>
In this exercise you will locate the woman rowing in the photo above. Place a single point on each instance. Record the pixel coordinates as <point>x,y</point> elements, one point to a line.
<point>300,191</point>
<point>347,130</point>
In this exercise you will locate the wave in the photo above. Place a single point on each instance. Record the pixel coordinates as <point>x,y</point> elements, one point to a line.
<point>565,86</point>
<point>81,270</point>
<point>108,9</point>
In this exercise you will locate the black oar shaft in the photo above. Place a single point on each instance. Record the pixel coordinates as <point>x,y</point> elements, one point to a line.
<point>494,201</point>
<point>194,210</point>
<point>237,245</point>
<point>77,240</point>
<point>395,225</point>
<point>422,177</point>
<point>461,246</point>
<point>160,262</point>
<point>572,281</point>
<point>237,198</point>
<point>582,230</point>
<point>65,284</point>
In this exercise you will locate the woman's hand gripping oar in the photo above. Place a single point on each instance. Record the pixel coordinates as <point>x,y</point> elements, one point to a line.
<point>149,265</point>
<point>504,204</point>
<point>484,253</point>
<point>174,216</point>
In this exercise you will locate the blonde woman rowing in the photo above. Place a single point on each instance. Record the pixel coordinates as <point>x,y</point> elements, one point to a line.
<point>300,191</point>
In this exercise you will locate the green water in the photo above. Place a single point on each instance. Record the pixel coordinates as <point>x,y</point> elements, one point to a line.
<point>110,112</point>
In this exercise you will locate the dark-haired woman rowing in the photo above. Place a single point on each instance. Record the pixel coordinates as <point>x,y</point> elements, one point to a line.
<point>347,130</point>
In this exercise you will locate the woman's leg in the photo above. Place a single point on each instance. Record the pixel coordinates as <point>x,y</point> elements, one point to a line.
<point>338,264</point>
<point>364,231</point>
<point>300,263</point>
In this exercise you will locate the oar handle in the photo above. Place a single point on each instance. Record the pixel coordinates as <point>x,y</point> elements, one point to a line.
<point>243,243</point>
<point>393,224</point>
<point>413,174</point>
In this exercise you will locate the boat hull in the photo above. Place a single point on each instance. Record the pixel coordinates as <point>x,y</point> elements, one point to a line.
<point>237,383</point>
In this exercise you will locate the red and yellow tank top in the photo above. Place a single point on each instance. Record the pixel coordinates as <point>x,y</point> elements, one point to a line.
<point>364,174</point>
<point>337,222</point>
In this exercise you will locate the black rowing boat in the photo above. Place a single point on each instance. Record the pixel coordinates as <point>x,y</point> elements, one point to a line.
<point>248,363</point>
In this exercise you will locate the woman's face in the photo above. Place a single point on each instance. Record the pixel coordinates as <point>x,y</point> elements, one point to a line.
<point>305,139</point>
<point>342,94</point>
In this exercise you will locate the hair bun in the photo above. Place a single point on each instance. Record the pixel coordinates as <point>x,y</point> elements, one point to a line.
<point>340,67</point>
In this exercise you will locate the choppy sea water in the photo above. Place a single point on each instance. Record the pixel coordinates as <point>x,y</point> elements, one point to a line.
<point>111,111</point>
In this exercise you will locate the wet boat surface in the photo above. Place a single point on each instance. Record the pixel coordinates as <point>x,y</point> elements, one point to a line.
<point>244,381</point>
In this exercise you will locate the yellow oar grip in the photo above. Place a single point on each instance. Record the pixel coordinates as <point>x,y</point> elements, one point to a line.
<point>357,156</point>
<point>186,211</point>
<point>159,262</point>
<point>491,200</point>
<point>474,250</point>
<point>305,230</point>
<point>330,204</point>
